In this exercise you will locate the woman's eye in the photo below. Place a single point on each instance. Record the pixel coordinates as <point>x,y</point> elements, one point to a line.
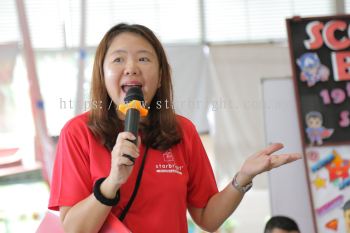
<point>144,59</point>
<point>118,59</point>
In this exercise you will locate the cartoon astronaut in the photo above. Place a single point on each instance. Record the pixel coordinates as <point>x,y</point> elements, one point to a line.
<point>315,131</point>
<point>312,71</point>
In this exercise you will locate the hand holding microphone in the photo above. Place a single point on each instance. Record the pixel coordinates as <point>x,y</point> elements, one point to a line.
<point>126,150</point>
<point>133,109</point>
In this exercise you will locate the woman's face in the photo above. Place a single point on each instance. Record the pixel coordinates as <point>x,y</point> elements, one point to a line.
<point>131,61</point>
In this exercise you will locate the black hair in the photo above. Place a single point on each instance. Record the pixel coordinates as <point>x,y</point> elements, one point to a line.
<point>346,206</point>
<point>314,114</point>
<point>281,222</point>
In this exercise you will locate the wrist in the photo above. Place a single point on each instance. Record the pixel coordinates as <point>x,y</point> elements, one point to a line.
<point>109,187</point>
<point>243,179</point>
<point>104,195</point>
<point>241,187</point>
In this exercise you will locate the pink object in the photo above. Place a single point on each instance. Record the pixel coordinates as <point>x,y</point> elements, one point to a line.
<point>8,152</point>
<point>9,158</point>
<point>336,202</point>
<point>52,223</point>
<point>114,225</point>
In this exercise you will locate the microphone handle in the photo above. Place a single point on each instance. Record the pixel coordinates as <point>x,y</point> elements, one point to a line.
<point>132,119</point>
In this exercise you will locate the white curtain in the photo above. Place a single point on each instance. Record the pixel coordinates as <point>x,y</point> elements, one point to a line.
<point>224,84</point>
<point>191,83</point>
<point>237,71</point>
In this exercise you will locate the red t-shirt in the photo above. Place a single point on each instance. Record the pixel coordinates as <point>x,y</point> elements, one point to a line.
<point>171,181</point>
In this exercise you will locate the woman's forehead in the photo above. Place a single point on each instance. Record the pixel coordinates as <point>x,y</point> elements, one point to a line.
<point>126,41</point>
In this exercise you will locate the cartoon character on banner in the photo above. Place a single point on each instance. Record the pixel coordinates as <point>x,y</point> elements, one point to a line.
<point>338,170</point>
<point>315,131</point>
<point>312,71</point>
<point>346,212</point>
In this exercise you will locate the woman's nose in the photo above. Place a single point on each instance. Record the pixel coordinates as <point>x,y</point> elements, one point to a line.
<point>131,68</point>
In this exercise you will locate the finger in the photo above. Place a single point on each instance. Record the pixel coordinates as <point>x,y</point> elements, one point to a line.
<point>279,160</point>
<point>132,159</point>
<point>291,157</point>
<point>123,144</point>
<point>131,151</point>
<point>271,148</point>
<point>125,148</point>
<point>295,156</point>
<point>125,136</point>
<point>130,145</point>
<point>125,161</point>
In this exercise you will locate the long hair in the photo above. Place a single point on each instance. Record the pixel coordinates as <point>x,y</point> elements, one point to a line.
<point>161,129</point>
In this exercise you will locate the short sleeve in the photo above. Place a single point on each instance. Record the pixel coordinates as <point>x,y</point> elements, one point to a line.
<point>71,179</point>
<point>202,185</point>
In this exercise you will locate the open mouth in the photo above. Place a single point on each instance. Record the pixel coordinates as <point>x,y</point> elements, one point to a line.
<point>126,87</point>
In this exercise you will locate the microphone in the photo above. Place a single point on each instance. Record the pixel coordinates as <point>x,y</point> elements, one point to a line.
<point>133,109</point>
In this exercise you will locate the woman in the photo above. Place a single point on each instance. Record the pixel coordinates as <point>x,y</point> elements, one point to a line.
<point>92,177</point>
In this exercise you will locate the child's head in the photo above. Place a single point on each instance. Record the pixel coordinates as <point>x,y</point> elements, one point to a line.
<point>314,119</point>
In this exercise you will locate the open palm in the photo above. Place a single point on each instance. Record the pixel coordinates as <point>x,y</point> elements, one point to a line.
<point>264,160</point>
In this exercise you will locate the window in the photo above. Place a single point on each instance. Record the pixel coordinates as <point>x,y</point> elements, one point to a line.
<point>347,6</point>
<point>56,23</point>
<point>8,22</point>
<point>172,21</point>
<point>46,25</point>
<point>256,20</point>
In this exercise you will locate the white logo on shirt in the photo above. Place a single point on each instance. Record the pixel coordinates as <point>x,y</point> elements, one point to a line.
<point>169,166</point>
<point>168,156</point>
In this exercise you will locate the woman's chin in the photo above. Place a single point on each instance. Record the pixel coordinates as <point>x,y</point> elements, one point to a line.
<point>120,115</point>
